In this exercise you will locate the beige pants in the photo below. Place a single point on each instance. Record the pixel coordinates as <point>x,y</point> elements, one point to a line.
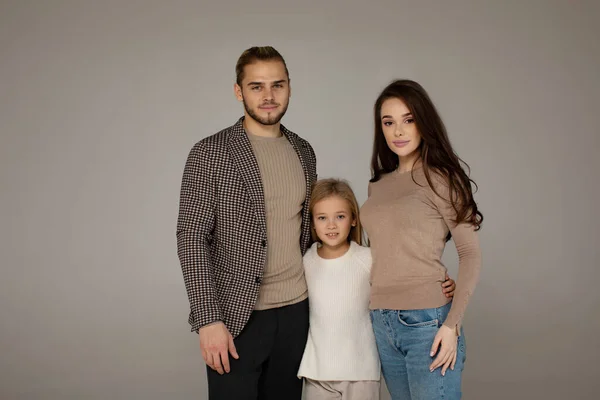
<point>329,390</point>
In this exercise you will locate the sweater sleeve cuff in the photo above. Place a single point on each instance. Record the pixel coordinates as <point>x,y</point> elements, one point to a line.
<point>455,327</point>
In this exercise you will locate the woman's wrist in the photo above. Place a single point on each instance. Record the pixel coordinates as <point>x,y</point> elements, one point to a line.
<point>454,329</point>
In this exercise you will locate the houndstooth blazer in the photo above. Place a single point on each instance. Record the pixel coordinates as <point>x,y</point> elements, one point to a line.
<point>221,228</point>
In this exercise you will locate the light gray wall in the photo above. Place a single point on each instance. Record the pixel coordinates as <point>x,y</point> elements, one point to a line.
<point>100,102</point>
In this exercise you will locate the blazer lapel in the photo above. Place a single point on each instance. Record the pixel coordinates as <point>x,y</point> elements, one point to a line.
<point>247,167</point>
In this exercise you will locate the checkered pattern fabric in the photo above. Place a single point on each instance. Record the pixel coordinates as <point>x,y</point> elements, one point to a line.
<point>221,228</point>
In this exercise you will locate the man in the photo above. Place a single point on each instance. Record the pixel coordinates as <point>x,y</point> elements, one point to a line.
<point>241,233</point>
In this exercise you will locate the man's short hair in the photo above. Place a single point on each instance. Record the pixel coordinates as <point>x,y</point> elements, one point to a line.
<point>253,54</point>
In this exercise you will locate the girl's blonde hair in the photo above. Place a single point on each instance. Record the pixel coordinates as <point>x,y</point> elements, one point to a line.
<point>325,188</point>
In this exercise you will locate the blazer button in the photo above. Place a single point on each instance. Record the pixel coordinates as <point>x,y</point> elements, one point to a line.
<point>263,243</point>
<point>257,280</point>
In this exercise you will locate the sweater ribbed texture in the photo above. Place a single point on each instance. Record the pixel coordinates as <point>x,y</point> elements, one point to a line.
<point>284,188</point>
<point>341,344</point>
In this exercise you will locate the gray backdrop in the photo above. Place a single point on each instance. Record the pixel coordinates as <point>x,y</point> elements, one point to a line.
<point>101,101</point>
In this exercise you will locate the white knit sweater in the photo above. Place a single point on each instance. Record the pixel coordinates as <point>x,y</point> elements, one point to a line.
<point>341,344</point>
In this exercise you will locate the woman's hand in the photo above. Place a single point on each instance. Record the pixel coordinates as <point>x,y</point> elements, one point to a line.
<point>448,339</point>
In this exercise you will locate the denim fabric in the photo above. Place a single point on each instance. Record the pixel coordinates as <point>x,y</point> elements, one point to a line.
<point>404,339</point>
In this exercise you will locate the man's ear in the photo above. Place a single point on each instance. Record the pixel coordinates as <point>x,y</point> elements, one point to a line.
<point>237,90</point>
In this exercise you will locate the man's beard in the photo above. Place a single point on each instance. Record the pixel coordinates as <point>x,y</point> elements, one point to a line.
<point>270,120</point>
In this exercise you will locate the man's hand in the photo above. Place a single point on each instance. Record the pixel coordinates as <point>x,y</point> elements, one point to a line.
<point>448,286</point>
<point>216,342</point>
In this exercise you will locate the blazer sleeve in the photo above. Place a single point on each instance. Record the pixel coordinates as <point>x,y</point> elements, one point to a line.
<point>195,225</point>
<point>313,160</point>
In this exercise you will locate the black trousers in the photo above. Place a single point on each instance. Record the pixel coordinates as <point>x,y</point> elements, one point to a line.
<point>270,348</point>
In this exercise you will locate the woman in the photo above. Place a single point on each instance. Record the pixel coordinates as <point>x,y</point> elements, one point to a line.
<point>419,198</point>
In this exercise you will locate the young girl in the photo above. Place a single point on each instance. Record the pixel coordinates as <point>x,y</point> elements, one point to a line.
<point>419,197</point>
<point>340,359</point>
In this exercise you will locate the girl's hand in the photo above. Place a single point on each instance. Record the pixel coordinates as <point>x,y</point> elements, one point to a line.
<point>447,338</point>
<point>448,286</point>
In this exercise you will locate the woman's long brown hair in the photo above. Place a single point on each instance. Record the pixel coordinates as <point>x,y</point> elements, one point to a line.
<point>435,150</point>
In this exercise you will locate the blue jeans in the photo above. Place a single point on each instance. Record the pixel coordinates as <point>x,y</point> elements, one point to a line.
<point>404,339</point>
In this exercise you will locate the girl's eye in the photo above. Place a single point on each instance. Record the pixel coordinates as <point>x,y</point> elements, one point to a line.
<point>387,123</point>
<point>320,218</point>
<point>409,121</point>
<point>341,216</point>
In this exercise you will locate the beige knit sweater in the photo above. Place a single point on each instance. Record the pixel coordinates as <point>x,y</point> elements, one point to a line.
<point>283,281</point>
<point>407,224</point>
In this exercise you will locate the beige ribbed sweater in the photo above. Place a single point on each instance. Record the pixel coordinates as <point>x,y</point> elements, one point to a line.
<point>284,188</point>
<point>407,224</point>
